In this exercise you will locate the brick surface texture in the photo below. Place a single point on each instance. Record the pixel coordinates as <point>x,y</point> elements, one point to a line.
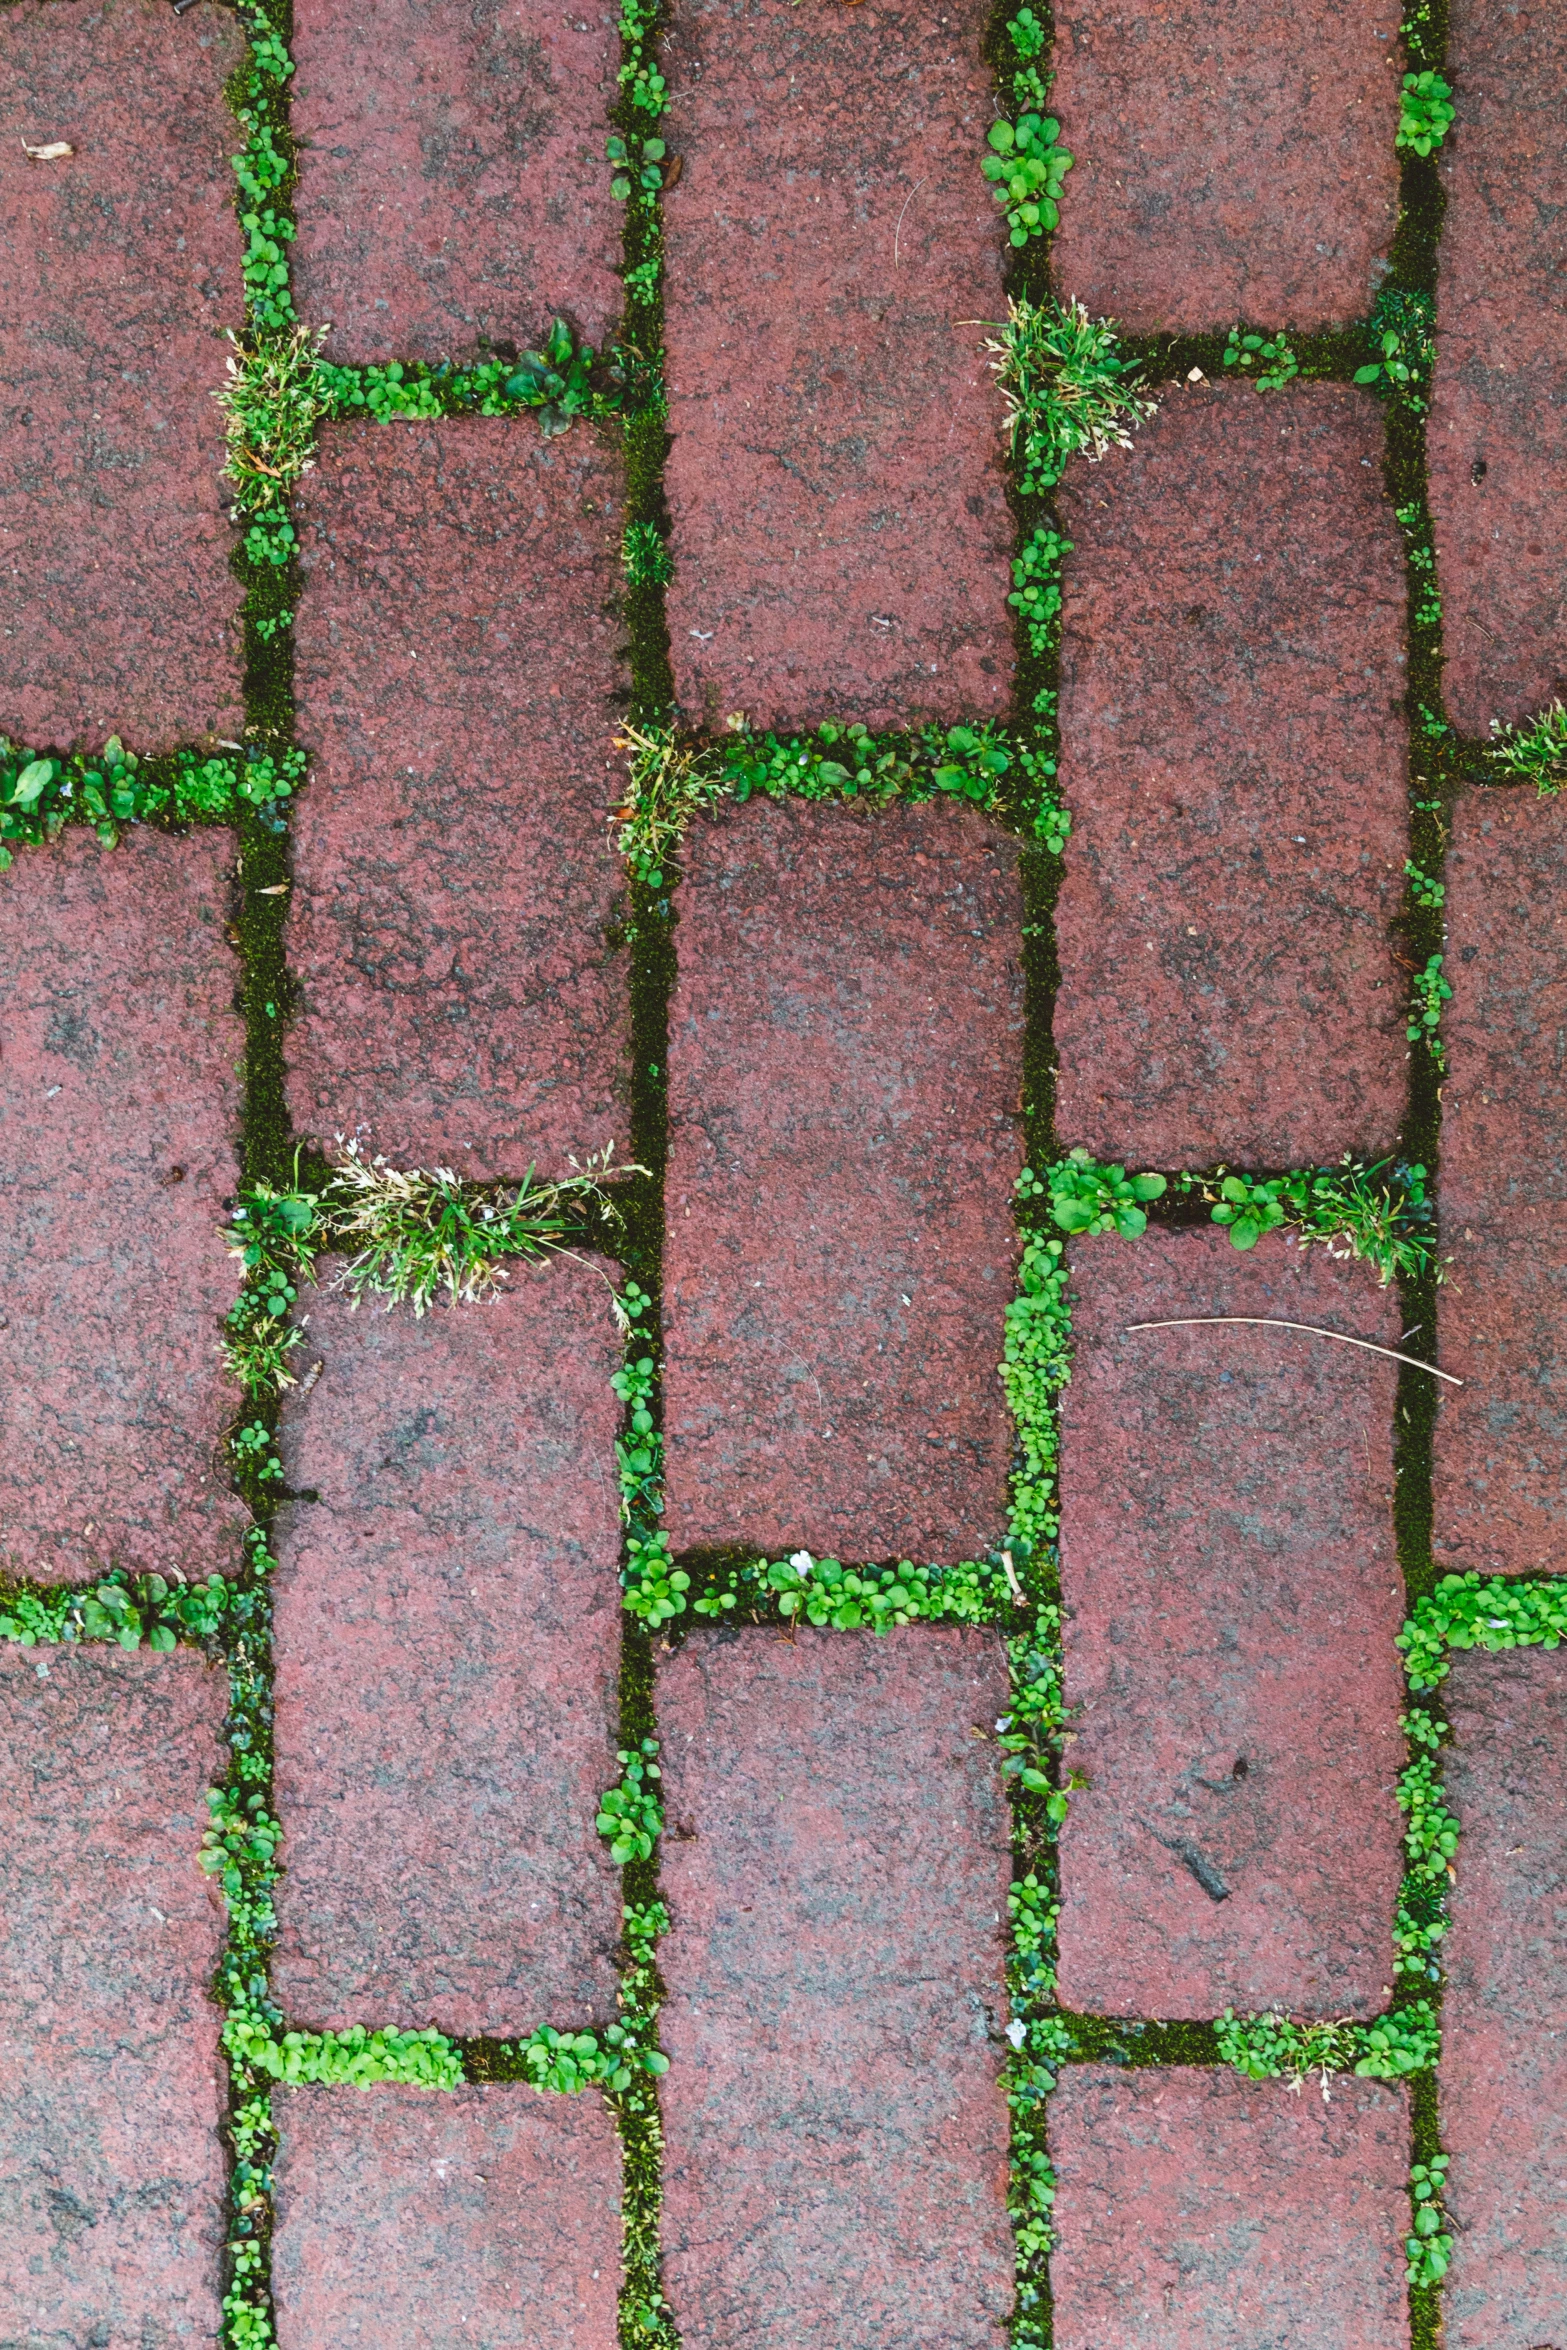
<point>1231,1597</point>
<point>119,267</point>
<point>836,2139</point>
<point>452,183</point>
<point>1504,2059</point>
<point>455,876</point>
<point>845,1073</point>
<point>1200,2211</point>
<point>111,2168</point>
<point>119,1109</point>
<point>1498,431</point>
<point>466,2221</point>
<point>841,534</point>
<point>1501,1441</point>
<point>447,1644</point>
<point>1228,164</point>
<point>1233,756</point>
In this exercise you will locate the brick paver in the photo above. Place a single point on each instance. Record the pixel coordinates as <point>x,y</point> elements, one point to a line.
<point>119,1106</point>
<point>1200,2211</point>
<point>1504,2059</point>
<point>841,535</point>
<point>474,2219</point>
<point>844,1080</point>
<point>119,266</point>
<point>1497,444</point>
<point>1233,756</point>
<point>452,182</point>
<point>447,1643</point>
<point>455,878</point>
<point>1501,1441</point>
<point>1232,1597</point>
<point>1233,163</point>
<point>836,1869</point>
<point>111,2168</point>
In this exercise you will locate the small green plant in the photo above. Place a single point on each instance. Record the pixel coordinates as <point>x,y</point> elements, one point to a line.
<point>1402,335</point>
<point>554,381</point>
<point>1275,2047</point>
<point>1431,993</point>
<point>1275,362</point>
<point>1465,1611</point>
<point>635,163</point>
<point>1430,2248</point>
<point>1424,887</point>
<point>849,1598</point>
<point>631,1814</point>
<point>645,555</point>
<point>1089,1198</point>
<point>252,1448</point>
<point>1535,753</point>
<point>1036,1365</point>
<point>1068,393</point>
<point>1030,87</point>
<point>1036,587</point>
<point>1027,169</point>
<point>667,783</point>
<point>1425,111</point>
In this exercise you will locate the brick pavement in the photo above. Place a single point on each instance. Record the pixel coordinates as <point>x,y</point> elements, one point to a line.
<point>111,2169</point>
<point>816,1026</point>
<point>1504,2069</point>
<point>452,187</point>
<point>840,523</point>
<point>1231,657</point>
<point>1499,403</point>
<point>118,1100</point>
<point>1233,164</point>
<point>484,2216</point>
<point>1501,1441</point>
<point>844,1080</point>
<point>117,607</point>
<point>455,883</point>
<point>837,1872</point>
<point>1231,1596</point>
<point>446,1658</point>
<point>1200,2211</point>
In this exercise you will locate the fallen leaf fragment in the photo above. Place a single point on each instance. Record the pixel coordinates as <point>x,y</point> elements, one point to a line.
<point>55,151</point>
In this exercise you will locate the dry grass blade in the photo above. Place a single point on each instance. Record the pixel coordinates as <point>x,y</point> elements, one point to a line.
<point>1311,1329</point>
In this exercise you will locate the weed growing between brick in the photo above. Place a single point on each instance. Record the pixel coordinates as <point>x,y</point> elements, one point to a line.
<point>43,791</point>
<point>673,777</point>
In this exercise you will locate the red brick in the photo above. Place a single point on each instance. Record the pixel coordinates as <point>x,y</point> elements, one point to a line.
<point>455,878</point>
<point>1504,2059</point>
<point>835,2134</point>
<point>119,1106</point>
<point>409,2217</point>
<point>1200,2211</point>
<point>1232,1597</point>
<point>1501,1440</point>
<point>447,1648</point>
<point>111,2168</point>
<point>841,533</point>
<point>452,181</point>
<point>1233,756</point>
<point>121,264</point>
<point>1500,395</point>
<point>844,1076</point>
<point>1230,164</point>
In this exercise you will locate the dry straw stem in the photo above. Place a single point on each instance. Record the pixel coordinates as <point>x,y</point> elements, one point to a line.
<point>1311,1329</point>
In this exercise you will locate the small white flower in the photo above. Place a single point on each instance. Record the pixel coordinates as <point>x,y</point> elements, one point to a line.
<point>1017,2031</point>
<point>802,1562</point>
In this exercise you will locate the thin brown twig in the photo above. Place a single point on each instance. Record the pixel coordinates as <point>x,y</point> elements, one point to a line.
<point>1312,1330</point>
